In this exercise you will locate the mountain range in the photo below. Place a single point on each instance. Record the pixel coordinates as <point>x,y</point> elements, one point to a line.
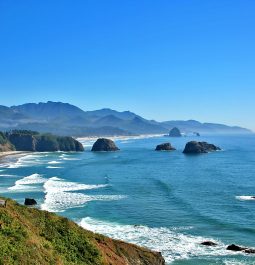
<point>66,119</point>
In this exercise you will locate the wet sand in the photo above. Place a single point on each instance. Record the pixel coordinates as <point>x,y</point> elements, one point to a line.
<point>11,153</point>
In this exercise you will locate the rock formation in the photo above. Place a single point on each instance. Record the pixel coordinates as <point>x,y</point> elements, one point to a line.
<point>195,147</point>
<point>209,243</point>
<point>103,144</point>
<point>234,247</point>
<point>30,202</point>
<point>24,140</point>
<point>175,132</point>
<point>5,144</point>
<point>164,147</point>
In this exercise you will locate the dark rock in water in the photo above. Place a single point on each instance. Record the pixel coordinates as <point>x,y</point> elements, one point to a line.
<point>29,201</point>
<point>197,134</point>
<point>249,251</point>
<point>175,132</point>
<point>234,247</point>
<point>164,147</point>
<point>103,144</point>
<point>209,243</point>
<point>195,147</point>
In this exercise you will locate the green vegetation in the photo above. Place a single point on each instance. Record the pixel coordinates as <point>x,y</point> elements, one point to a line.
<point>32,237</point>
<point>23,132</point>
<point>5,145</point>
<point>3,138</point>
<point>25,140</point>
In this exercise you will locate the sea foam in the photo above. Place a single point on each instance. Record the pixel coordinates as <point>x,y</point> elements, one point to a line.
<point>172,243</point>
<point>28,183</point>
<point>60,195</point>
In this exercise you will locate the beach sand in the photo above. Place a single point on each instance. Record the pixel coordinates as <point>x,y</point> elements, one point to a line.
<point>11,153</point>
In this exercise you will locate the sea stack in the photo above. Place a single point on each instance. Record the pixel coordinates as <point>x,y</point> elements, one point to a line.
<point>195,147</point>
<point>175,132</point>
<point>103,144</point>
<point>30,202</point>
<point>164,147</point>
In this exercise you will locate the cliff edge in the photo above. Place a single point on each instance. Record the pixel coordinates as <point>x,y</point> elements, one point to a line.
<point>31,236</point>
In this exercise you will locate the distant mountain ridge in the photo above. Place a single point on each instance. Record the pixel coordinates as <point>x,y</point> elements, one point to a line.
<point>66,119</point>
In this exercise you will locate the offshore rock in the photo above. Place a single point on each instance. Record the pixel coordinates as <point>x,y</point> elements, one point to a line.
<point>195,147</point>
<point>103,144</point>
<point>164,147</point>
<point>175,132</point>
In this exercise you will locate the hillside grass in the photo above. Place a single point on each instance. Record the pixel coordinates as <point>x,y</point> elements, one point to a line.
<point>29,236</point>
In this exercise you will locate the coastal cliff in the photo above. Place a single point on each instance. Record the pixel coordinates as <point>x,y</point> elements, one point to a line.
<point>23,140</point>
<point>32,236</point>
<point>5,145</point>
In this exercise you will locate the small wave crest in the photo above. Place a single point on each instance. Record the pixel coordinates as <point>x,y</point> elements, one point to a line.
<point>246,198</point>
<point>60,195</point>
<point>53,167</point>
<point>54,162</point>
<point>27,183</point>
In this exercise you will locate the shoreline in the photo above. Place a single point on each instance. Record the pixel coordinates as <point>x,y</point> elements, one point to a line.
<point>120,137</point>
<point>12,153</point>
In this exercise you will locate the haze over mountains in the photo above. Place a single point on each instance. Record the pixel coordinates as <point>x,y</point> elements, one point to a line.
<point>66,119</point>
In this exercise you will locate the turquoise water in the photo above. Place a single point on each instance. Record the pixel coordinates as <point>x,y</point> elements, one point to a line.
<point>166,201</point>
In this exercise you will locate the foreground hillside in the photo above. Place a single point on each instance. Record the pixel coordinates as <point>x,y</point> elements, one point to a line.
<point>30,236</point>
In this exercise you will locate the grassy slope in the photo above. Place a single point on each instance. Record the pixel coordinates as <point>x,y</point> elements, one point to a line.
<point>31,236</point>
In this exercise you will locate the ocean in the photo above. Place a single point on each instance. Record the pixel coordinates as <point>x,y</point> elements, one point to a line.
<point>166,201</point>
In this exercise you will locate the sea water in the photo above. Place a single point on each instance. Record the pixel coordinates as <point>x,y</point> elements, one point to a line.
<point>166,201</point>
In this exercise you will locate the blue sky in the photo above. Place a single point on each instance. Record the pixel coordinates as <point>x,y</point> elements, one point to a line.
<point>189,59</point>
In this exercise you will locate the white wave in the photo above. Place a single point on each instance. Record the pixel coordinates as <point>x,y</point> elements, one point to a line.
<point>56,184</point>
<point>8,175</point>
<point>246,198</point>
<point>28,183</point>
<point>27,160</point>
<point>60,195</point>
<point>172,244</point>
<point>53,167</point>
<point>70,158</point>
<point>54,162</point>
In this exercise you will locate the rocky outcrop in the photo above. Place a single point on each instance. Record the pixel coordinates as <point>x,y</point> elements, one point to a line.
<point>32,236</point>
<point>195,147</point>
<point>103,144</point>
<point>30,202</point>
<point>33,141</point>
<point>234,247</point>
<point>23,142</point>
<point>5,145</point>
<point>209,243</point>
<point>164,147</point>
<point>175,132</point>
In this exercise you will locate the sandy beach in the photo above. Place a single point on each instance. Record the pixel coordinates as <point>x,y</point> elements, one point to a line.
<point>121,137</point>
<point>11,153</point>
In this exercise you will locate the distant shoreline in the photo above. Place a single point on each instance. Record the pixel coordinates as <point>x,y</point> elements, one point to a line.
<point>120,137</point>
<point>11,153</point>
